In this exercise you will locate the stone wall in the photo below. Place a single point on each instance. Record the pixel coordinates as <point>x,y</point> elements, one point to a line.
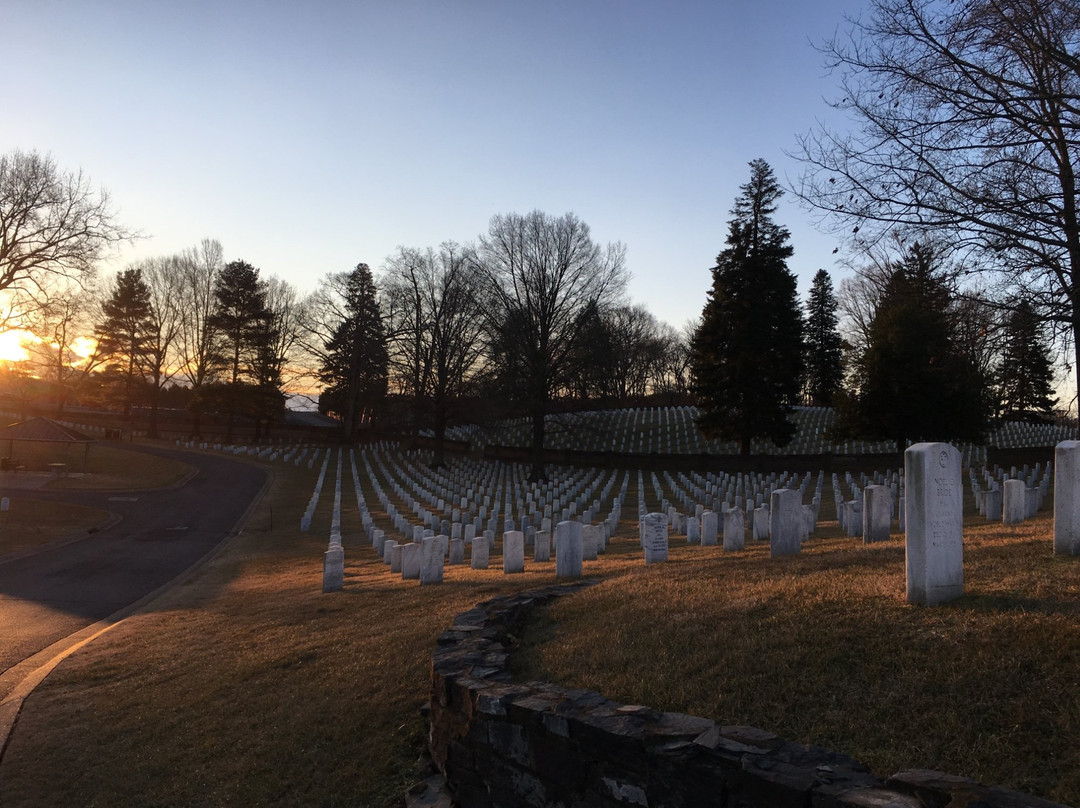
<point>505,743</point>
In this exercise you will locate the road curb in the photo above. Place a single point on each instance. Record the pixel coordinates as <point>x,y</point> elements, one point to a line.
<point>24,677</point>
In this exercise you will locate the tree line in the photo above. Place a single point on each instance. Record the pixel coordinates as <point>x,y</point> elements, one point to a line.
<point>532,314</point>
<point>953,188</point>
<point>954,192</point>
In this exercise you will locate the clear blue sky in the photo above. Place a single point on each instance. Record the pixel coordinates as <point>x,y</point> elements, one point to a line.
<point>308,137</point>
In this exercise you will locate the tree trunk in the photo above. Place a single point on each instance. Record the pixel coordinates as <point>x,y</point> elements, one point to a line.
<point>538,472</point>
<point>152,431</point>
<point>439,459</point>
<point>1076,361</point>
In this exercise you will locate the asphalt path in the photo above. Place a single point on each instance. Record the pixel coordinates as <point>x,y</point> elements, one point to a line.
<point>54,592</point>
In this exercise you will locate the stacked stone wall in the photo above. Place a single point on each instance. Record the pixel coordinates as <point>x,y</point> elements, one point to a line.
<point>500,743</point>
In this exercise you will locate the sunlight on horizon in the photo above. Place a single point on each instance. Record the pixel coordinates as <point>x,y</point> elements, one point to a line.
<point>12,345</point>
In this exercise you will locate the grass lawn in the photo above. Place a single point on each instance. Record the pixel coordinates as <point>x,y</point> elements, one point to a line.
<point>107,467</point>
<point>248,686</point>
<point>32,522</point>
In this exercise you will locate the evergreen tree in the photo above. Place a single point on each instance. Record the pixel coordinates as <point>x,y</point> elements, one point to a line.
<point>1026,376</point>
<point>917,384</point>
<point>824,351</point>
<point>748,350</point>
<point>241,322</point>
<point>355,370</point>
<point>126,329</point>
<point>240,318</point>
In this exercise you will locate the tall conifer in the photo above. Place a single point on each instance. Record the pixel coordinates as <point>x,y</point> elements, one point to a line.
<point>355,370</point>
<point>748,350</point>
<point>125,330</point>
<point>1026,374</point>
<point>824,352</point>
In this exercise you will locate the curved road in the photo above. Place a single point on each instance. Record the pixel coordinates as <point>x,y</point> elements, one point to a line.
<point>52,593</point>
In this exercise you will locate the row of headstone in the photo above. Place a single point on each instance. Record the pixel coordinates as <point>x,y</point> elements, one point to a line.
<point>674,430</point>
<point>591,538</point>
<point>334,557</point>
<point>1011,496</point>
<point>313,502</point>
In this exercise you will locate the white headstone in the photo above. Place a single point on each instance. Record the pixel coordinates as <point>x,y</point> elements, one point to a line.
<point>395,558</point>
<point>708,529</point>
<point>734,530</point>
<point>934,518</point>
<point>568,550</point>
<point>785,520</point>
<point>479,553</point>
<point>590,542</point>
<point>656,537</point>
<point>410,561</point>
<point>333,569</point>
<point>761,523</point>
<point>877,513</point>
<point>513,551</point>
<point>1014,502</point>
<point>431,561</point>
<point>457,551</point>
<point>542,546</point>
<point>1067,498</point>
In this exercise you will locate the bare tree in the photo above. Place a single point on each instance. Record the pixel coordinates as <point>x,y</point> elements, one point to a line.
<point>543,274</point>
<point>406,324</point>
<point>61,325</point>
<point>164,277</point>
<point>53,224</point>
<point>200,362</point>
<point>672,374</point>
<point>288,319</point>
<point>967,123</point>
<point>436,316</point>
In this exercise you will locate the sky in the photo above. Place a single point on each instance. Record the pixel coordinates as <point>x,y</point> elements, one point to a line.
<point>309,137</point>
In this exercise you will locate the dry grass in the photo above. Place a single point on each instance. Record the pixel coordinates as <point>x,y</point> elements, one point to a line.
<point>97,467</point>
<point>247,686</point>
<point>110,468</point>
<point>32,522</point>
<point>823,649</point>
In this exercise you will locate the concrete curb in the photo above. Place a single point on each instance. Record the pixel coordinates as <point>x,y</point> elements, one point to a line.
<point>28,674</point>
<point>113,520</point>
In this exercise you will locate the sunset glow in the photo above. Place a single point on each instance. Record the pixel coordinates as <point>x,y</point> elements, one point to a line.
<point>12,345</point>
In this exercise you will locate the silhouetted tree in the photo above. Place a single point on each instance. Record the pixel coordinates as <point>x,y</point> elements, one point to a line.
<point>200,362</point>
<point>53,225</point>
<point>543,275</point>
<point>242,324</point>
<point>824,347</point>
<point>1026,374</point>
<point>436,316</point>
<point>748,349</point>
<point>355,366</point>
<point>966,128</point>
<point>126,329</point>
<point>917,384</point>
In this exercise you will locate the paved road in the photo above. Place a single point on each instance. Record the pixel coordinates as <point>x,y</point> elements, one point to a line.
<point>51,594</point>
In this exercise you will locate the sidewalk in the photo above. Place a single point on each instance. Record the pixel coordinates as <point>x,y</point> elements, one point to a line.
<point>26,479</point>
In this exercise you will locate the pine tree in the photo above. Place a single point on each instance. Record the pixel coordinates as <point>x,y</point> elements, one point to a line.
<point>824,347</point>
<point>125,330</point>
<point>917,384</point>
<point>355,370</point>
<point>748,350</point>
<point>239,318</point>
<point>241,321</point>
<point>1026,375</point>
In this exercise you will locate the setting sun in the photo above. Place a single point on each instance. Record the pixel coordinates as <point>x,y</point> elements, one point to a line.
<point>12,345</point>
